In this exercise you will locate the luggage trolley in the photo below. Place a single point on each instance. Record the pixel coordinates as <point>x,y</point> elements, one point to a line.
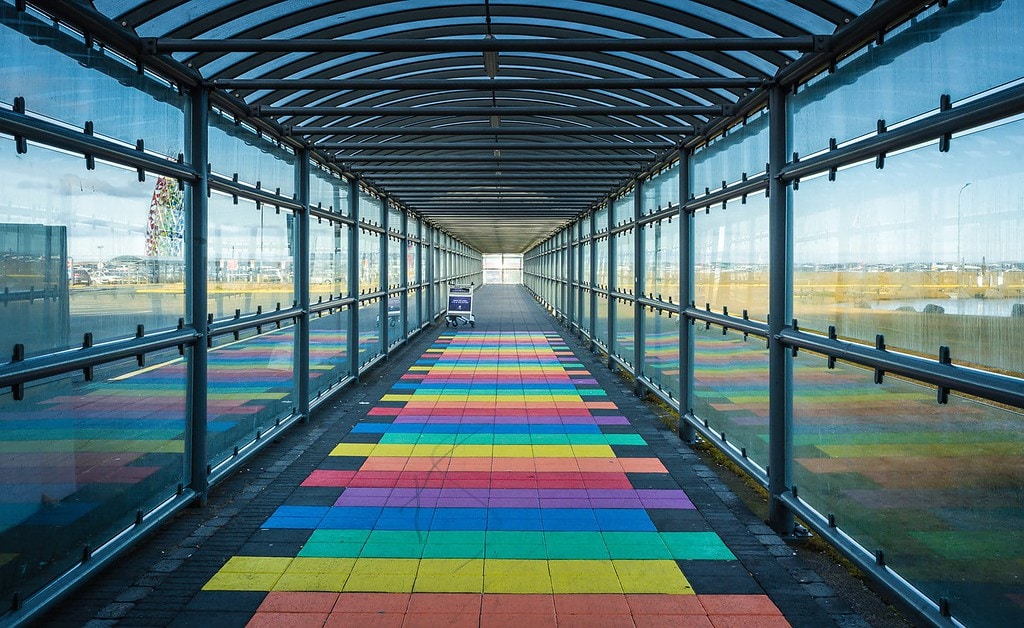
<point>460,306</point>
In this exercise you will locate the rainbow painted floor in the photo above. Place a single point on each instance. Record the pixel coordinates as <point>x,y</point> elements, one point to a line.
<point>495,484</point>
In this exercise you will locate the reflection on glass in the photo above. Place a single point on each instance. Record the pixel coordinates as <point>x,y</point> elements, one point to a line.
<point>601,321</point>
<point>237,149</point>
<point>901,78</point>
<point>625,343</point>
<point>250,387</point>
<point>622,209</point>
<point>395,253</point>
<point>601,218</point>
<point>662,190</point>
<point>328,351</point>
<point>601,261</point>
<point>625,277</point>
<point>741,151</point>
<point>661,260</point>
<point>250,257</point>
<point>369,331</point>
<point>730,388</point>
<point>369,261</point>
<point>80,458</point>
<point>661,350</point>
<point>327,191</point>
<point>731,257</point>
<point>412,263</point>
<point>371,208</point>
<point>63,79</point>
<point>328,260</point>
<point>936,487</point>
<point>926,252</point>
<point>85,250</point>
<point>585,309</point>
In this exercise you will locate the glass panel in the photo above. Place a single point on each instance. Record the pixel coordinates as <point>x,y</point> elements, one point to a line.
<point>661,260</point>
<point>369,331</point>
<point>370,208</point>
<point>743,150</point>
<point>904,76</point>
<point>601,320</point>
<point>396,320</point>
<point>328,260</point>
<point>328,351</point>
<point>601,252</point>
<point>394,219</point>
<point>394,262</point>
<point>730,388</point>
<point>731,257</point>
<point>585,310</point>
<point>662,190</point>
<point>80,458</point>
<point>83,238</point>
<point>237,149</point>
<point>661,350</point>
<point>250,387</point>
<point>927,251</point>
<point>369,261</point>
<point>63,80</point>
<point>412,262</point>
<point>585,261</point>
<point>625,275</point>
<point>326,191</point>
<point>625,345</point>
<point>622,209</point>
<point>416,318</point>
<point>250,257</point>
<point>936,487</point>
<point>601,219</point>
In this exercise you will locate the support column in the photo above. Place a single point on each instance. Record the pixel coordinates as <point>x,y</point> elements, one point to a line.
<point>686,291</point>
<point>403,265</point>
<point>429,279</point>
<point>612,259</point>
<point>780,296</point>
<point>592,273</point>
<point>300,262</point>
<point>196,256</point>
<point>638,290</point>
<point>353,277</point>
<point>385,280</point>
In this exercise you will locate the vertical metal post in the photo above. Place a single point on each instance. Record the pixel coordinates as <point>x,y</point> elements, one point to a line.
<point>300,262</point>
<point>686,290</point>
<point>353,277</point>
<point>431,306</point>
<point>612,259</point>
<point>592,274</point>
<point>780,308</point>
<point>196,255</point>
<point>385,279</point>
<point>570,275</point>
<point>403,265</point>
<point>639,281</point>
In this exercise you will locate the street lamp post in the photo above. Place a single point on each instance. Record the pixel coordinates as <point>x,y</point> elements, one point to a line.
<point>959,262</point>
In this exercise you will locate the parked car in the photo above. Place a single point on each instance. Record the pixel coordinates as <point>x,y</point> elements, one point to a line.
<point>81,277</point>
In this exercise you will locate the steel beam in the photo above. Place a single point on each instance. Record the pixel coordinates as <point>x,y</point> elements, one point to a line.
<point>491,167</point>
<point>196,298</point>
<point>492,146</point>
<point>780,308</point>
<point>488,85</point>
<point>539,110</point>
<point>541,130</point>
<point>491,158</point>
<point>518,177</point>
<point>806,43</point>
<point>300,261</point>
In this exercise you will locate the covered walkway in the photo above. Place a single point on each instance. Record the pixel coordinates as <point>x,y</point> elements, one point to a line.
<point>491,476</point>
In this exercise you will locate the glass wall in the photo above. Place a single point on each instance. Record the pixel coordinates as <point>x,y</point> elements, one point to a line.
<point>901,286</point>
<point>96,264</point>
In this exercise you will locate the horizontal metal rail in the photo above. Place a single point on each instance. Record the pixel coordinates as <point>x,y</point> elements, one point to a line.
<point>539,110</point>
<point>735,454</point>
<point>318,307</point>
<point>22,125</point>
<point>754,185</point>
<point>744,325</point>
<point>439,166</point>
<point>491,158</point>
<point>224,184</point>
<point>317,212</point>
<point>805,43</point>
<point>253,321</point>
<point>867,562</point>
<point>992,386</point>
<point>453,130</point>
<point>378,85</point>
<point>391,146</point>
<point>16,373</point>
